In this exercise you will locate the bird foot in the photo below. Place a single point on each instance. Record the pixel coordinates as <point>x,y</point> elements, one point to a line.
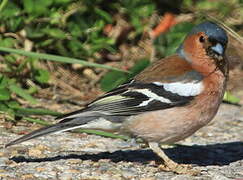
<point>170,165</point>
<point>179,168</point>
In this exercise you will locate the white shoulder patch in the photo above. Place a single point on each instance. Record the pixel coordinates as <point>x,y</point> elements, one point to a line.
<point>183,89</point>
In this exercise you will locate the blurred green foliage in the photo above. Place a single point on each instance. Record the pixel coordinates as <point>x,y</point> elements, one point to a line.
<point>68,28</point>
<point>223,8</point>
<point>71,28</point>
<point>113,79</point>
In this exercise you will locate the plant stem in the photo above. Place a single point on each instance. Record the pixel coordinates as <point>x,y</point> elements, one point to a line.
<point>61,59</point>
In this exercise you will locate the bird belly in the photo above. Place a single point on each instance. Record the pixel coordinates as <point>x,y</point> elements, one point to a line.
<point>175,124</point>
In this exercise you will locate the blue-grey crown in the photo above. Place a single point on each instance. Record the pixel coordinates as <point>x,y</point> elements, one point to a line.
<point>212,30</point>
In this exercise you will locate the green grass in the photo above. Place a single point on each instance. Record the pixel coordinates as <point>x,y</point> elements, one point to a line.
<point>60,59</point>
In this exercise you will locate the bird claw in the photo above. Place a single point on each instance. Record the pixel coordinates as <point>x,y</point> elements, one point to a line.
<point>179,168</point>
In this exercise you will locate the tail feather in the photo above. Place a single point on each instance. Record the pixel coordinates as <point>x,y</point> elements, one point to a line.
<point>42,132</point>
<point>59,127</point>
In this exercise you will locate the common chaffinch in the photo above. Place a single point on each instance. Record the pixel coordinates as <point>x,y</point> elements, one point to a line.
<point>165,103</point>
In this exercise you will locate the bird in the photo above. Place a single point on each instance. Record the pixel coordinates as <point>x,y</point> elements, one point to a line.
<point>167,102</point>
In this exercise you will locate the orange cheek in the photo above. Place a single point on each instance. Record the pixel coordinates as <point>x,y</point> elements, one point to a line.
<point>193,48</point>
<point>197,56</point>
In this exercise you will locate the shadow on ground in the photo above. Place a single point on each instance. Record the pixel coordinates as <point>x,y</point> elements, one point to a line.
<point>202,155</point>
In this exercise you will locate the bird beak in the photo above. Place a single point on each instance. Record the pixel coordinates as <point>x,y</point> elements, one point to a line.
<point>218,48</point>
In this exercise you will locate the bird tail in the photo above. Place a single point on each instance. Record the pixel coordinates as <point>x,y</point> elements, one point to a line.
<point>64,125</point>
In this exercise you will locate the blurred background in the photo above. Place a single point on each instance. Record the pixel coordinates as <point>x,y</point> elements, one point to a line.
<point>97,36</point>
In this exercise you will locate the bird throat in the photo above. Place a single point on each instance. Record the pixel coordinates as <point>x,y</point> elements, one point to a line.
<point>219,60</point>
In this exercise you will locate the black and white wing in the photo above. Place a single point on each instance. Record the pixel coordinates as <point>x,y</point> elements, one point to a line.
<point>137,97</point>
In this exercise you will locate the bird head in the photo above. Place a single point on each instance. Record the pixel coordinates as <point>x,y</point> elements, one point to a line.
<point>205,46</point>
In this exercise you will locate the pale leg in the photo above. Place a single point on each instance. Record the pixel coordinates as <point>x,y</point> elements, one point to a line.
<point>170,165</point>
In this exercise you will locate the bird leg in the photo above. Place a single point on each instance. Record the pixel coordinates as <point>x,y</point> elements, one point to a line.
<point>170,165</point>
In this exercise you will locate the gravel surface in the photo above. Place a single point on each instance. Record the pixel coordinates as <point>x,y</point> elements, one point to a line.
<point>217,150</point>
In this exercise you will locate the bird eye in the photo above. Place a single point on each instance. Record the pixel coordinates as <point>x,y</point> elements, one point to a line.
<point>202,39</point>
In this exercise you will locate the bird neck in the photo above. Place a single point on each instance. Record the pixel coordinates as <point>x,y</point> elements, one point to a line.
<point>201,62</point>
